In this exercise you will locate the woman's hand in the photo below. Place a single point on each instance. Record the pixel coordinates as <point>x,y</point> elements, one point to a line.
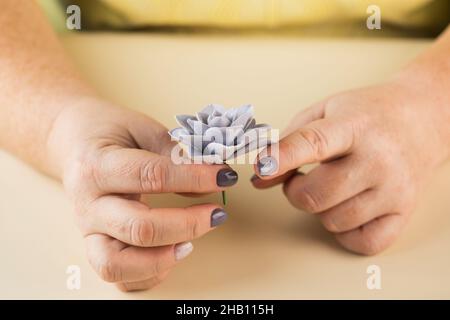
<point>106,156</point>
<point>375,148</point>
<point>110,156</point>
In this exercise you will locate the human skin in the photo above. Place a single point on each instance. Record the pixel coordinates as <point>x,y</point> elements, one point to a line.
<point>375,148</point>
<point>105,156</point>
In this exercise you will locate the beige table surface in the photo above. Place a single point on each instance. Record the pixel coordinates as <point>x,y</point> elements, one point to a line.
<point>266,249</point>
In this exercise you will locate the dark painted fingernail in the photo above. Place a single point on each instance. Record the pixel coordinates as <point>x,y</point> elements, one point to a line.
<point>254,178</point>
<point>218,216</point>
<point>226,177</point>
<point>267,166</point>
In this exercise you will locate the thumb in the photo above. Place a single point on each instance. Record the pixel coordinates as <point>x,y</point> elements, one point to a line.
<point>318,141</point>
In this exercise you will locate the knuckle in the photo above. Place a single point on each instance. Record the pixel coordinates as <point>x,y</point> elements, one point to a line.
<point>192,227</point>
<point>108,269</point>
<point>85,213</point>
<point>329,223</point>
<point>370,245</point>
<point>80,212</point>
<point>343,217</point>
<point>81,173</point>
<point>142,232</point>
<point>309,199</point>
<point>153,175</point>
<point>315,141</point>
<point>198,179</point>
<point>83,223</point>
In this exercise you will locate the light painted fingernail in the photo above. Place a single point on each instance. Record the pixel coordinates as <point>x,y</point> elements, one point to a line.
<point>267,166</point>
<point>182,250</point>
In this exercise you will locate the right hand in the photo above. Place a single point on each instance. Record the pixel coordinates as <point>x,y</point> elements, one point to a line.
<point>114,156</point>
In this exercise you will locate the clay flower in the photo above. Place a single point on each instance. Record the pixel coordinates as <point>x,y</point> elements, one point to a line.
<point>216,134</point>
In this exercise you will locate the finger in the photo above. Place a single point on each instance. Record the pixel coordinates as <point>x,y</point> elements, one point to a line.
<point>148,133</point>
<point>115,261</point>
<point>264,184</point>
<point>143,285</point>
<point>354,212</point>
<point>374,236</point>
<point>124,170</point>
<point>312,113</point>
<point>320,140</point>
<point>329,184</point>
<point>136,224</point>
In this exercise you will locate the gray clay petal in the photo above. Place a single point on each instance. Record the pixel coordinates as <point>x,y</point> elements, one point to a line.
<point>253,134</point>
<point>262,125</point>
<point>209,109</point>
<point>215,134</point>
<point>219,122</point>
<point>248,137</point>
<point>197,142</point>
<point>242,120</point>
<point>225,135</point>
<point>231,114</point>
<point>198,157</point>
<point>201,157</point>
<point>203,117</point>
<point>232,135</point>
<point>198,126</point>
<point>177,132</point>
<point>244,109</point>
<point>250,124</point>
<point>219,149</point>
<point>182,121</point>
<point>253,145</point>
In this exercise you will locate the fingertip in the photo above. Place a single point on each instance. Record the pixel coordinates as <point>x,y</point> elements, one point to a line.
<point>290,189</point>
<point>209,216</point>
<point>269,182</point>
<point>256,181</point>
<point>259,183</point>
<point>266,164</point>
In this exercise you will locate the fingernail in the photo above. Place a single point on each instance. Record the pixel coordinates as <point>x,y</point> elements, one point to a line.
<point>226,177</point>
<point>218,216</point>
<point>267,166</point>
<point>254,178</point>
<point>182,250</point>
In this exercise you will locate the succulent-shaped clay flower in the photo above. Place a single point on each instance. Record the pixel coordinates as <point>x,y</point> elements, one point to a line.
<point>216,134</point>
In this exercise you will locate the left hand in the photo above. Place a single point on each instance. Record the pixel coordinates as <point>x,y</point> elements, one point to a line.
<point>375,148</point>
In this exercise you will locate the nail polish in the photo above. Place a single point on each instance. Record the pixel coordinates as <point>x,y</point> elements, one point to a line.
<point>226,177</point>
<point>218,216</point>
<point>267,166</point>
<point>182,250</point>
